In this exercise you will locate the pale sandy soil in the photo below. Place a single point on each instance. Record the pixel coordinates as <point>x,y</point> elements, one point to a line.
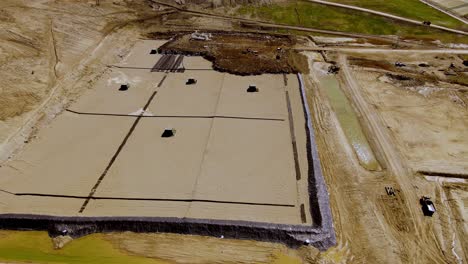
<point>430,130</point>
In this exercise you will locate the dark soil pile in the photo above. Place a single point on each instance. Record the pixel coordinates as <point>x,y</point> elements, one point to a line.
<point>242,53</point>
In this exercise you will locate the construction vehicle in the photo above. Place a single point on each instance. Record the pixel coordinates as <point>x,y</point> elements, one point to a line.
<point>252,89</point>
<point>428,207</point>
<point>399,64</point>
<point>124,87</point>
<point>191,81</point>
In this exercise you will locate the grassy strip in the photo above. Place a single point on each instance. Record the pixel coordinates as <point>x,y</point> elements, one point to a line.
<point>332,18</point>
<point>37,247</point>
<point>407,8</point>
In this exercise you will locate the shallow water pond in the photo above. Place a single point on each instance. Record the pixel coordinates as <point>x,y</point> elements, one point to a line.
<point>349,122</point>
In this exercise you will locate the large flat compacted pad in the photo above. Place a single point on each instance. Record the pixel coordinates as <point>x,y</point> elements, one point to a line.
<point>67,157</point>
<point>37,205</point>
<point>132,208</point>
<point>106,98</point>
<point>248,161</point>
<point>196,64</point>
<point>154,167</point>
<point>238,164</point>
<point>243,212</point>
<point>268,102</point>
<point>140,57</point>
<point>176,98</point>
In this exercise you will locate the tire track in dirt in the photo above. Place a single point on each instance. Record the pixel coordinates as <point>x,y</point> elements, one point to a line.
<point>54,57</point>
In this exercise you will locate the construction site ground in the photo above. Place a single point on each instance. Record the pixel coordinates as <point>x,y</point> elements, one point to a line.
<point>57,51</point>
<point>218,165</point>
<point>410,127</point>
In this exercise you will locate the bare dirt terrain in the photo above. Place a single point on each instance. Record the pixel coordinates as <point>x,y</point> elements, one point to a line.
<point>243,54</point>
<point>52,52</point>
<point>399,218</point>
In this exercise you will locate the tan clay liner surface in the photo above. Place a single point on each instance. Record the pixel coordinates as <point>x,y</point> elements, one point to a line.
<point>140,56</point>
<point>221,159</point>
<point>67,157</point>
<point>200,99</point>
<point>269,102</point>
<point>106,98</point>
<point>39,205</point>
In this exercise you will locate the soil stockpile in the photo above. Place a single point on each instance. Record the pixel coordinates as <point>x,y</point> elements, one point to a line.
<point>242,54</point>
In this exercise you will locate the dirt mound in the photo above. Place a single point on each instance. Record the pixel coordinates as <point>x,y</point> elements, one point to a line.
<point>366,63</point>
<point>219,3</point>
<point>241,53</point>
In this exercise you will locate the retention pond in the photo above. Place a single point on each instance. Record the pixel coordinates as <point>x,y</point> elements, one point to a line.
<point>348,120</point>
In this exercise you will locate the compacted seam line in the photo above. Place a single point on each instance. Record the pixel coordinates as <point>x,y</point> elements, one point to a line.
<point>150,199</point>
<point>177,116</point>
<point>116,154</point>
<point>195,184</point>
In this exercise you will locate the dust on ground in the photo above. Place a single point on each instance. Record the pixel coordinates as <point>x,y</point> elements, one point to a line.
<point>241,53</point>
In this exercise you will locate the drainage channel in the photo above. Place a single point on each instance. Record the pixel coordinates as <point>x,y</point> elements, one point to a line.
<point>111,162</point>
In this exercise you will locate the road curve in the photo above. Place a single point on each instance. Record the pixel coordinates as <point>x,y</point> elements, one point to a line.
<point>443,10</point>
<point>387,15</point>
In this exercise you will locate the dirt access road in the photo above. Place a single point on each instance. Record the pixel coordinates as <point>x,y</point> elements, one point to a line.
<point>386,51</point>
<point>444,10</point>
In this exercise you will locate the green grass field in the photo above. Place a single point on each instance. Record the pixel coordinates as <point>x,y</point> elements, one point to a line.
<point>37,247</point>
<point>407,8</point>
<point>331,18</point>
